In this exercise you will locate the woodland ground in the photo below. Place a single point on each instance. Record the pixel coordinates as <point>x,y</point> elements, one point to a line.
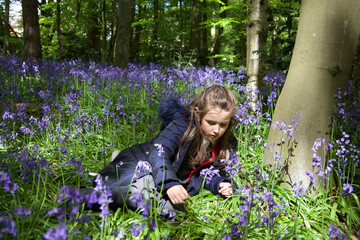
<point>61,121</point>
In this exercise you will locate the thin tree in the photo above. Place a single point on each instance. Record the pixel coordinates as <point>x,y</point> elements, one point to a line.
<point>58,29</point>
<point>6,28</point>
<point>155,32</point>
<point>32,44</point>
<point>103,32</point>
<point>195,32</point>
<point>324,50</point>
<point>217,44</point>
<point>94,30</point>
<point>256,47</point>
<point>123,34</point>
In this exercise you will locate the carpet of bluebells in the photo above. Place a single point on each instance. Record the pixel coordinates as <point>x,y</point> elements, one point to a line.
<point>61,120</point>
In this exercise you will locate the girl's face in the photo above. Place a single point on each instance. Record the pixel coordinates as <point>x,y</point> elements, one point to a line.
<point>214,123</point>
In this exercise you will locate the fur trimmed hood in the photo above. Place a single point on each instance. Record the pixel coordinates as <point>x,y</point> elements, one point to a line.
<point>171,109</point>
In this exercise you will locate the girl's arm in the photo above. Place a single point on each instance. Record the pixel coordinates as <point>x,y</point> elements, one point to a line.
<point>164,149</point>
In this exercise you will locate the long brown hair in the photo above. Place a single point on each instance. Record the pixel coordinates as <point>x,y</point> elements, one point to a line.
<point>215,96</point>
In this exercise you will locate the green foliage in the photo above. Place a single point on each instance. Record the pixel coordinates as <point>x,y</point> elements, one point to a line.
<point>75,32</point>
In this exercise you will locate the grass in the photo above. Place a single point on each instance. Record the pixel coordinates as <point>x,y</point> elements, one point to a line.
<point>84,111</point>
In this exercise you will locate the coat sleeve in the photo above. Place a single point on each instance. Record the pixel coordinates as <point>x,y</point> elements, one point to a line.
<point>161,162</point>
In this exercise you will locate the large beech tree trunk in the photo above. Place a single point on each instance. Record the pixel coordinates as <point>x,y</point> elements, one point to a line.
<point>32,44</point>
<point>256,46</point>
<point>123,34</point>
<point>324,50</point>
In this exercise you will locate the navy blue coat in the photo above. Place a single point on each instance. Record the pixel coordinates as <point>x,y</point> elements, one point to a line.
<point>164,167</point>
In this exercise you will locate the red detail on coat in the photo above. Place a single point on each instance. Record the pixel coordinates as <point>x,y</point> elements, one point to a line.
<point>213,155</point>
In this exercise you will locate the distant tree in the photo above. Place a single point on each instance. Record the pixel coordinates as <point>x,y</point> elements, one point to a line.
<point>256,46</point>
<point>323,54</point>
<point>195,32</point>
<point>32,44</point>
<point>58,29</point>
<point>103,32</point>
<point>94,30</point>
<point>122,34</point>
<point>135,42</point>
<point>6,28</point>
<point>155,32</point>
<point>217,43</point>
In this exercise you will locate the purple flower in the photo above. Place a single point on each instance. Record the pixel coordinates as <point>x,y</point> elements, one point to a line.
<point>152,225</point>
<point>226,237</point>
<point>7,183</point>
<point>298,191</point>
<point>24,211</point>
<point>143,167</point>
<point>7,225</point>
<point>136,231</point>
<point>160,149</point>
<point>144,206</point>
<point>60,233</point>
<point>347,189</point>
<point>54,211</point>
<point>136,197</point>
<point>209,173</point>
<point>119,233</point>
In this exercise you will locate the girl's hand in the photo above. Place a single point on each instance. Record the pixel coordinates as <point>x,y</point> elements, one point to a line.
<point>226,189</point>
<point>177,194</point>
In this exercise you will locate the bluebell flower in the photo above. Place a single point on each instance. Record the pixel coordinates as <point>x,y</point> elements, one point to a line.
<point>119,233</point>
<point>7,225</point>
<point>23,211</point>
<point>160,149</point>
<point>60,233</point>
<point>152,225</point>
<point>144,167</point>
<point>347,189</point>
<point>7,183</point>
<point>210,173</point>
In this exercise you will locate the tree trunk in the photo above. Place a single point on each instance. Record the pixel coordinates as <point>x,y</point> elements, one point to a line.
<point>213,27</point>
<point>194,42</point>
<point>256,43</point>
<point>94,31</point>
<point>113,30</point>
<point>58,30</point>
<point>77,12</point>
<point>323,53</point>
<point>181,27</point>
<point>355,70</point>
<point>6,28</point>
<point>154,40</point>
<point>204,46</point>
<point>216,48</point>
<point>136,41</point>
<point>103,32</point>
<point>32,44</point>
<point>122,36</point>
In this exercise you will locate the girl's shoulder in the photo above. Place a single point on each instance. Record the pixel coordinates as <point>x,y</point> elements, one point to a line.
<point>170,109</point>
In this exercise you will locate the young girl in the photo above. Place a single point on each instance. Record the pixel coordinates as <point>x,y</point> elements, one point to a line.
<point>168,168</point>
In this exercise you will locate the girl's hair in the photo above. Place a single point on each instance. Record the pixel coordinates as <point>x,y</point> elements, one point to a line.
<point>215,96</point>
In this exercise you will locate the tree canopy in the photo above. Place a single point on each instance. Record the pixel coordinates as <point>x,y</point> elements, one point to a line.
<point>166,31</point>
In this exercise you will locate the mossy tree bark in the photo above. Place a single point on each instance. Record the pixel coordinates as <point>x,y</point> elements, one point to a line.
<point>324,50</point>
<point>256,46</point>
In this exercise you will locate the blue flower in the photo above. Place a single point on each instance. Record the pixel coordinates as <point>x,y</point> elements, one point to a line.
<point>347,189</point>
<point>60,233</point>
